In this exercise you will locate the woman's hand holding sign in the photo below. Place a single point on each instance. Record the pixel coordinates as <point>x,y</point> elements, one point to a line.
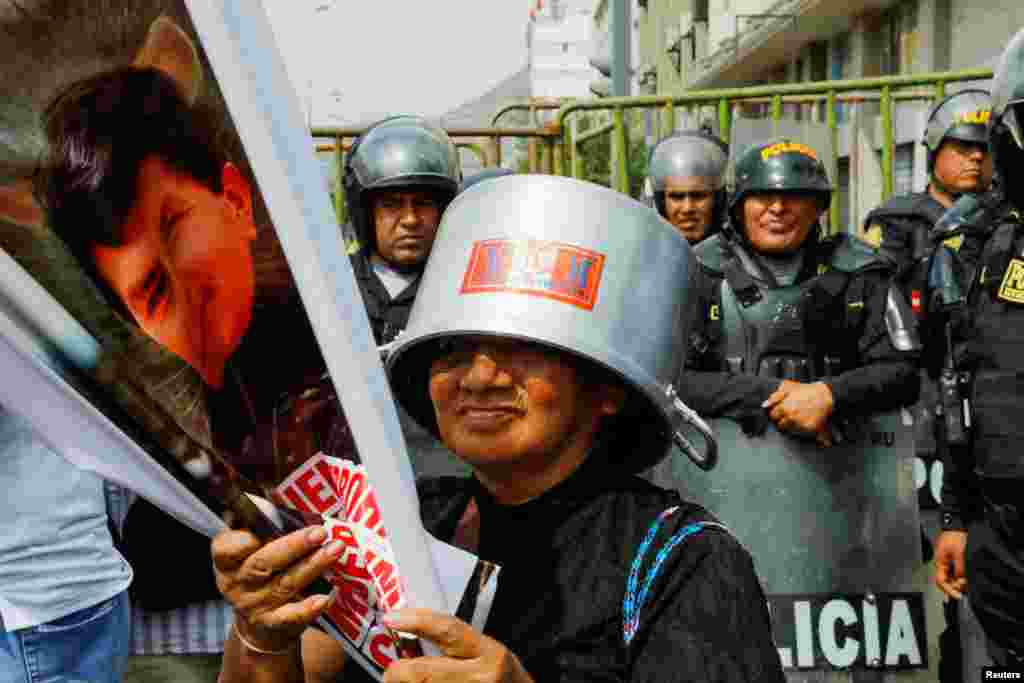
<point>264,583</point>
<point>468,654</point>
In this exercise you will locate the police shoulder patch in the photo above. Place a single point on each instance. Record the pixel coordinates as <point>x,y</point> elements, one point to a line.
<point>954,243</point>
<point>873,235</point>
<point>1012,287</point>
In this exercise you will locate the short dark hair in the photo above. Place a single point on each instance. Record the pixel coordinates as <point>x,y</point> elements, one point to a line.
<point>99,130</point>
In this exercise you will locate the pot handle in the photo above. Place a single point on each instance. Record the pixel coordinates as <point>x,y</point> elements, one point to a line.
<point>709,458</point>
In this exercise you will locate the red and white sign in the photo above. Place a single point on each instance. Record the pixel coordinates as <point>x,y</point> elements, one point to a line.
<point>553,270</point>
<point>366,578</point>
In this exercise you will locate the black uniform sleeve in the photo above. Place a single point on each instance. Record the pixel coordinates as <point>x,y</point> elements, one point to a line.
<point>894,241</point>
<point>703,386</point>
<point>707,620</point>
<point>961,495</point>
<point>885,378</point>
<point>726,394</point>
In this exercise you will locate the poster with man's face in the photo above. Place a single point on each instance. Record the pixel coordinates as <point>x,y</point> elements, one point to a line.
<point>128,203</point>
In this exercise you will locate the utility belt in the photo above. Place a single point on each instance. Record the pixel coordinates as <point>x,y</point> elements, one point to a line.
<point>797,368</point>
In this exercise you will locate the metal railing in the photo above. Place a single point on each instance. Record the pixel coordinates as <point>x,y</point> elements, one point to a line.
<point>885,90</point>
<point>485,143</point>
<point>561,153</point>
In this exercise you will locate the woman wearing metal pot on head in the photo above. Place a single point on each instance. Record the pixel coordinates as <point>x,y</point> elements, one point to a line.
<point>541,349</point>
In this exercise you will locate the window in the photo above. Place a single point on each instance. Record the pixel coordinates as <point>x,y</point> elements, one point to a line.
<point>795,110</point>
<point>840,57</point>
<point>840,70</point>
<point>903,169</point>
<point>899,39</point>
<point>842,195</point>
<point>700,10</point>
<point>818,71</point>
<point>819,62</point>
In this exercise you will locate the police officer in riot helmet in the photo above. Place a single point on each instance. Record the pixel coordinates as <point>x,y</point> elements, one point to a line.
<point>399,176</point>
<point>798,329</point>
<point>959,161</point>
<point>686,181</point>
<point>981,550</point>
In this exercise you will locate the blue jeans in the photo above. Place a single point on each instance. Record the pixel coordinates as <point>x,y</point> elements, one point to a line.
<point>88,645</point>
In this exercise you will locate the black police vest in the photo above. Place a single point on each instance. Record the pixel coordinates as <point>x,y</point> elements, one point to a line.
<point>994,350</point>
<point>900,230</point>
<point>903,214</point>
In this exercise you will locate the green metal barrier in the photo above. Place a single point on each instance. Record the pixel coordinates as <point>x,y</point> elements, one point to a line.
<point>464,138</point>
<point>885,90</point>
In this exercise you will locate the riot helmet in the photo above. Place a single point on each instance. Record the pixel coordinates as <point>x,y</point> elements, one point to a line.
<point>780,165</point>
<point>396,153</point>
<point>1006,125</point>
<point>961,116</point>
<point>689,154</point>
<point>553,261</point>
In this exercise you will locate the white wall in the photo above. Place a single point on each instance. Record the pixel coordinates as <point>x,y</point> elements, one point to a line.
<point>981,29</point>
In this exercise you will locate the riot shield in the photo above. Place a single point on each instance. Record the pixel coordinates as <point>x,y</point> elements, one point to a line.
<point>834,534</point>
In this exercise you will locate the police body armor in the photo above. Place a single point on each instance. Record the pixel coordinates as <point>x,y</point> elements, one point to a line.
<point>771,330</point>
<point>767,337</point>
<point>914,215</point>
<point>900,229</point>
<point>995,354</point>
<point>832,527</point>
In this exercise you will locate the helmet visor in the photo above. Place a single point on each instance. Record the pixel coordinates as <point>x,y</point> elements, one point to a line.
<point>1013,119</point>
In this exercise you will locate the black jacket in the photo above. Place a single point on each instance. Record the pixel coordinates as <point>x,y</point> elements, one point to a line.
<point>565,562</point>
<point>990,335</point>
<point>387,316</point>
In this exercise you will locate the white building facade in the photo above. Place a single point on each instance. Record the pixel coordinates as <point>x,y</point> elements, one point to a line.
<point>559,40</point>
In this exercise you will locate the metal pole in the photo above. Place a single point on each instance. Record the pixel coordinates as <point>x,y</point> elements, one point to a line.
<point>564,149</point>
<point>620,175</point>
<point>577,155</point>
<point>621,49</point>
<point>724,119</point>
<point>339,184</point>
<point>887,144</point>
<point>668,120</point>
<point>476,149</point>
<point>833,127</point>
